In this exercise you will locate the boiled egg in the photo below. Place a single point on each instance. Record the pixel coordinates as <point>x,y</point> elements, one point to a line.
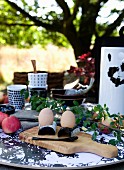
<point>46,117</point>
<point>68,119</point>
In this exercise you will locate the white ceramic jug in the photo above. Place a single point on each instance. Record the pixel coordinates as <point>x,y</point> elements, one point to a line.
<point>111,90</point>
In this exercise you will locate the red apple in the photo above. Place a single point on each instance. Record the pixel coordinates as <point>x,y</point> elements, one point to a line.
<point>107,121</point>
<point>104,129</point>
<point>94,116</point>
<point>6,99</point>
<point>105,125</point>
<point>11,124</point>
<point>2,117</point>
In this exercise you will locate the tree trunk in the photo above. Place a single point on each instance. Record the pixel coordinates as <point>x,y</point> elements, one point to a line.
<point>79,43</point>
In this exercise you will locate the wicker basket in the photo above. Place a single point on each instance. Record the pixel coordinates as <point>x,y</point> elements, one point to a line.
<point>55,80</point>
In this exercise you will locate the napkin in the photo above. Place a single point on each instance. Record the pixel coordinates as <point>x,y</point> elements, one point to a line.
<point>28,118</point>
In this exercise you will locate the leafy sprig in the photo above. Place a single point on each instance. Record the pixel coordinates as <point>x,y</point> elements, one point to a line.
<point>85,117</point>
<point>38,103</point>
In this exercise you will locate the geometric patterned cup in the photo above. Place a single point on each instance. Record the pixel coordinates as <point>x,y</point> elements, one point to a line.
<point>37,80</point>
<point>14,96</point>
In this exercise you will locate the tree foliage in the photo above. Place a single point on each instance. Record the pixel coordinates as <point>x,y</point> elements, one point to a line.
<point>25,22</point>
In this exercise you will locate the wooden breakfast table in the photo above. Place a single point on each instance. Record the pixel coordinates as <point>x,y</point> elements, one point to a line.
<point>15,154</point>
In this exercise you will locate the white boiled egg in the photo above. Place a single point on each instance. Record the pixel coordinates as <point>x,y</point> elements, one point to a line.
<point>46,117</point>
<point>68,119</point>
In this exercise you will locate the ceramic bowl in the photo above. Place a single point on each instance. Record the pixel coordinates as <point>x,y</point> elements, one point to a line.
<point>6,108</point>
<point>59,94</point>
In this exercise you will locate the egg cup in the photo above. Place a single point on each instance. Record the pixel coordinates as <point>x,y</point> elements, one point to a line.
<point>69,132</point>
<point>48,129</point>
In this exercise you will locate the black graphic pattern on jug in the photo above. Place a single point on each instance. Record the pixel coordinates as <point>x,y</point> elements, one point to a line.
<point>116,73</point>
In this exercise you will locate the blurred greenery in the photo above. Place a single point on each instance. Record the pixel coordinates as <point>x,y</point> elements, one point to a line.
<point>27,34</point>
<point>61,22</point>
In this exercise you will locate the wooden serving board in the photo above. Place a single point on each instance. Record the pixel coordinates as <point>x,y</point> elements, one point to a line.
<point>84,143</point>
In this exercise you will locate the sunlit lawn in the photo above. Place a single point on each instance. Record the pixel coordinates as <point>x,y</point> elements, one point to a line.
<point>51,59</point>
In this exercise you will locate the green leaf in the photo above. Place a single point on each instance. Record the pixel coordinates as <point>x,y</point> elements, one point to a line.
<point>22,92</point>
<point>94,126</point>
<point>86,123</point>
<point>26,94</point>
<point>75,103</point>
<point>78,121</point>
<point>120,121</point>
<point>119,136</point>
<point>113,142</point>
<point>115,134</point>
<point>113,125</point>
<point>94,136</point>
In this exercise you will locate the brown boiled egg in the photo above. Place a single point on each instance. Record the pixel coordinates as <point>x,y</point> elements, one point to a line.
<point>46,117</point>
<point>68,119</point>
